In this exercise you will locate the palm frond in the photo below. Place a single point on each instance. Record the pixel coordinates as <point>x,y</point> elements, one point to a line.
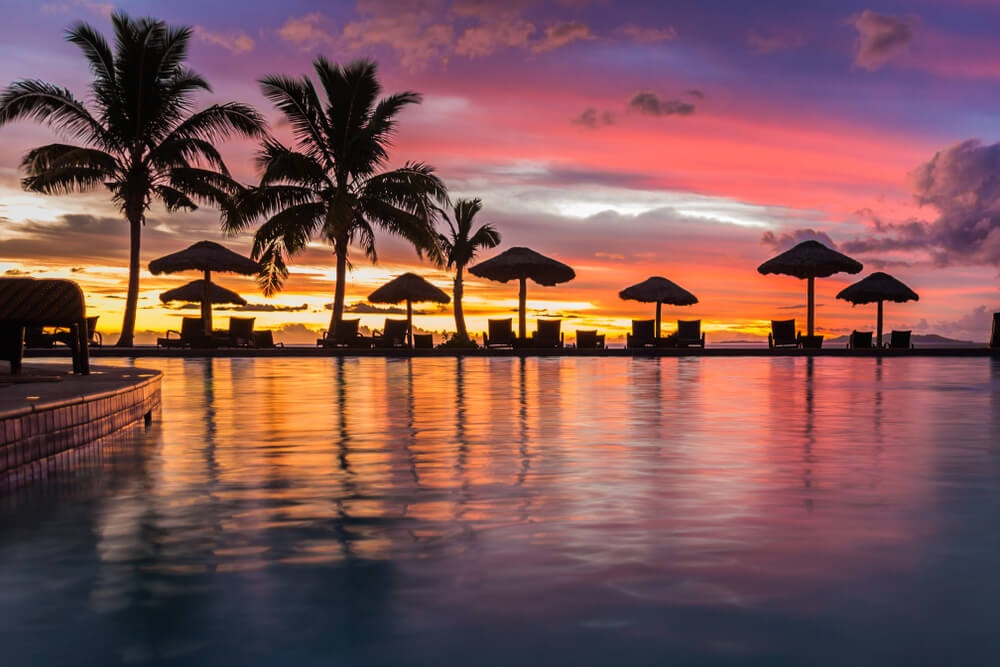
<point>298,101</point>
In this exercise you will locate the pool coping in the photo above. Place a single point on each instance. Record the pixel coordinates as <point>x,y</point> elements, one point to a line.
<point>47,414</point>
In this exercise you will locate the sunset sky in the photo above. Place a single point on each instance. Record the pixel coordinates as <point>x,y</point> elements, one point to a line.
<point>627,139</point>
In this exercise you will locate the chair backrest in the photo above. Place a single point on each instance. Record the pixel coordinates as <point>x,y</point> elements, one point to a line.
<point>643,331</point>
<point>860,340</point>
<point>899,339</point>
<point>548,331</point>
<point>586,338</point>
<point>192,328</point>
<point>783,331</point>
<point>394,332</point>
<point>347,331</point>
<point>423,341</point>
<point>995,335</point>
<point>501,332</point>
<point>240,331</point>
<point>689,330</point>
<point>263,338</point>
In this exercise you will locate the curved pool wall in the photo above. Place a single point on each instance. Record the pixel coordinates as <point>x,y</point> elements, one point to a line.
<point>53,423</point>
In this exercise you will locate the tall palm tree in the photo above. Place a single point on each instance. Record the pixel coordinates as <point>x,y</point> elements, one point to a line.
<point>460,247</point>
<point>331,184</point>
<point>142,141</point>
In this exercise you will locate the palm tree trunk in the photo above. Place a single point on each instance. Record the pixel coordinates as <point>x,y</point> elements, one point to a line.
<point>132,296</point>
<point>460,330</point>
<point>338,295</point>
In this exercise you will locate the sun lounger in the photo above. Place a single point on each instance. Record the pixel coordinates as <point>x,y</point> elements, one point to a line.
<point>547,335</point>
<point>500,333</point>
<point>860,340</point>
<point>783,334</point>
<point>899,340</point>
<point>589,339</point>
<point>689,334</point>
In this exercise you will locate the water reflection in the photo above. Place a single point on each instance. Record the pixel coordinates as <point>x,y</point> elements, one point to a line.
<point>536,510</point>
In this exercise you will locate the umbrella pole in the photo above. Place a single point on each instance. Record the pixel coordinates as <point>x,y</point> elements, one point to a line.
<point>811,306</point>
<point>522,297</point>
<point>879,328</point>
<point>656,336</point>
<point>206,305</point>
<point>409,324</point>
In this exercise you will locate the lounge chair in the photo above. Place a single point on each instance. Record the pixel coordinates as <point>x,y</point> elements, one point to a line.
<point>264,340</point>
<point>860,340</point>
<point>35,337</point>
<point>643,334</point>
<point>393,334</point>
<point>94,338</point>
<point>500,333</point>
<point>899,340</point>
<point>346,335</point>
<point>240,332</point>
<point>689,334</point>
<point>589,339</point>
<point>783,334</point>
<point>547,335</point>
<point>423,341</point>
<point>191,334</point>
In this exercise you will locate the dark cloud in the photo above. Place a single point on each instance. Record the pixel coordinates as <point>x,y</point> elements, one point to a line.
<point>269,308</point>
<point>695,93</point>
<point>594,118</point>
<point>92,240</point>
<point>881,37</point>
<point>653,105</point>
<point>782,242</point>
<point>16,272</point>
<point>963,184</point>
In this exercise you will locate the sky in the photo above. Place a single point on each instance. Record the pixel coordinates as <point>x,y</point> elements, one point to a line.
<point>628,139</point>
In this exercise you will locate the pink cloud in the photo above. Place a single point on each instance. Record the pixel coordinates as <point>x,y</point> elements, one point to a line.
<point>881,37</point>
<point>307,31</point>
<point>645,35</point>
<point>562,34</point>
<point>236,43</point>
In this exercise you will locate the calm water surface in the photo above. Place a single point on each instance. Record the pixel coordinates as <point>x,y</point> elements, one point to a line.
<point>575,511</point>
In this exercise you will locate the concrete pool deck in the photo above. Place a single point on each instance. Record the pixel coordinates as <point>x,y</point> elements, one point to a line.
<point>47,414</point>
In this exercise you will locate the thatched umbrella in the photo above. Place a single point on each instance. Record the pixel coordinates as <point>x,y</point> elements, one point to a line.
<point>876,288</point>
<point>810,260</point>
<point>659,291</point>
<point>194,292</point>
<point>205,256</point>
<point>408,287</point>
<point>521,264</point>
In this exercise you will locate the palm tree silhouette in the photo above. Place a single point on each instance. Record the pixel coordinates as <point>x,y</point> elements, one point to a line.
<point>142,142</point>
<point>330,184</point>
<point>460,247</point>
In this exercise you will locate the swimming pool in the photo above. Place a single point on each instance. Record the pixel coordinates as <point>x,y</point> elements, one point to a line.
<point>537,511</point>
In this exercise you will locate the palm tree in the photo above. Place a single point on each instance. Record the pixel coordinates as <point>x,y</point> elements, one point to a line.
<point>460,247</point>
<point>142,142</point>
<point>330,185</point>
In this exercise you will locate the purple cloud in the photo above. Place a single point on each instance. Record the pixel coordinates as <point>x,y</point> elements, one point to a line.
<point>594,118</point>
<point>881,37</point>
<point>787,240</point>
<point>963,183</point>
<point>652,104</point>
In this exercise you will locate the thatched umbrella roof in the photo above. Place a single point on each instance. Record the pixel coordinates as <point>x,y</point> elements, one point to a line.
<point>659,291</point>
<point>408,287</point>
<point>876,288</point>
<point>810,260</point>
<point>520,264</point>
<point>194,292</point>
<point>205,256</point>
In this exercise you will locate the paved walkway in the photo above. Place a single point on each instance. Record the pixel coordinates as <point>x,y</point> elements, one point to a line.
<point>53,384</point>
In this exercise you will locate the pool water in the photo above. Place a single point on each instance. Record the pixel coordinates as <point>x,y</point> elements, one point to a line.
<point>539,511</point>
